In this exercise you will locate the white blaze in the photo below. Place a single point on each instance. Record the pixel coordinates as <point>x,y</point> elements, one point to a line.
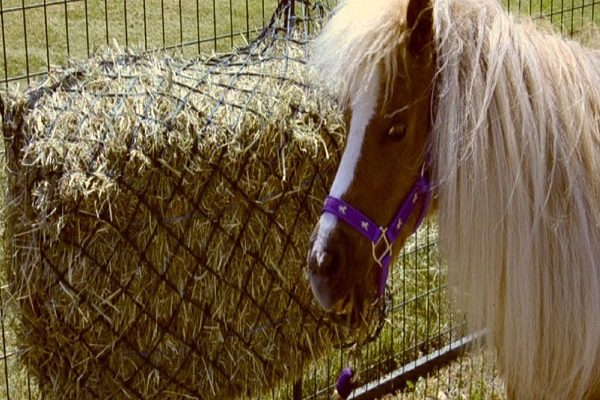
<point>363,109</point>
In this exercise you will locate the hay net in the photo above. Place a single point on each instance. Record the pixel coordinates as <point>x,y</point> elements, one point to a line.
<point>158,213</point>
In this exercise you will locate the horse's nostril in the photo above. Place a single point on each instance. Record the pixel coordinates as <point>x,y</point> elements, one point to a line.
<point>324,263</point>
<point>328,264</point>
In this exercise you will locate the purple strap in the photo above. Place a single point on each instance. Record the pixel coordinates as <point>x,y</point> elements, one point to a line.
<point>352,217</point>
<point>380,236</point>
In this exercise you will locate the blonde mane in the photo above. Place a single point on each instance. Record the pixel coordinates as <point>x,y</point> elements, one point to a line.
<point>516,150</point>
<point>516,155</point>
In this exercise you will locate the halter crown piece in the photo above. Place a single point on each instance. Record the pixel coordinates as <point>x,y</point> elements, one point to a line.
<point>382,239</point>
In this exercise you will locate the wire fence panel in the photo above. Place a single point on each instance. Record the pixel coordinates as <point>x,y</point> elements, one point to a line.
<point>39,34</point>
<point>256,315</point>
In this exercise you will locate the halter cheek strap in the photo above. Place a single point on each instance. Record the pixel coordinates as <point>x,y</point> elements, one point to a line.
<point>383,238</point>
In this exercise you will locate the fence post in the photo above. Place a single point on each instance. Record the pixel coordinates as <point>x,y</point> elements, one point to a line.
<point>297,390</point>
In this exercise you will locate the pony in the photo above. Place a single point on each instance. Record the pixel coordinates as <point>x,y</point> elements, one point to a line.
<point>501,119</point>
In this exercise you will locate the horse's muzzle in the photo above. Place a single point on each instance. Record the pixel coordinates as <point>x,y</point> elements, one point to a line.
<point>325,263</point>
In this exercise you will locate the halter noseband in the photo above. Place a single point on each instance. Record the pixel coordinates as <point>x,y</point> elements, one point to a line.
<point>383,236</point>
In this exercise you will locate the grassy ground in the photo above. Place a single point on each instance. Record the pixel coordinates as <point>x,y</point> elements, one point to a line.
<point>472,377</point>
<point>15,383</point>
<point>419,320</point>
<point>565,14</point>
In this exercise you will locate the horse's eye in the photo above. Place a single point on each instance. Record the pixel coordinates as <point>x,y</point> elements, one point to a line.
<point>397,132</point>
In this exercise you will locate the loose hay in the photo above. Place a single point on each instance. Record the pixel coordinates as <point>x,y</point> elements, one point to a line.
<point>158,212</point>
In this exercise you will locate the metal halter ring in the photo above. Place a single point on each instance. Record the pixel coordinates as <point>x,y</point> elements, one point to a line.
<point>380,260</point>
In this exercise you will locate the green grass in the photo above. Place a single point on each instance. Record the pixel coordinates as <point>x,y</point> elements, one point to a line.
<point>36,37</point>
<point>15,382</point>
<point>472,377</point>
<point>569,17</point>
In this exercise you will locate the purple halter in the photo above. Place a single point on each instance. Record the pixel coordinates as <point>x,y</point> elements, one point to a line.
<point>383,237</point>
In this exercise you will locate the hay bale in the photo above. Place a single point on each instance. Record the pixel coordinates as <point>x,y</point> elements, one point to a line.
<point>158,213</point>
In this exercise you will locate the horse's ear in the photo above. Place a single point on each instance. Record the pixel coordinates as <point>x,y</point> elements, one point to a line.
<point>419,20</point>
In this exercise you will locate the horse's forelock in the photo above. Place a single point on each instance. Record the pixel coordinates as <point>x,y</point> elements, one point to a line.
<point>359,38</point>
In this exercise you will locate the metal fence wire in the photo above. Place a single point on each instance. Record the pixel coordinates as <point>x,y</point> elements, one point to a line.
<point>37,35</point>
<point>161,188</point>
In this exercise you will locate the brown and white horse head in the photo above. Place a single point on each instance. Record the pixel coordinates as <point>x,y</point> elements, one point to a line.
<point>381,56</point>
